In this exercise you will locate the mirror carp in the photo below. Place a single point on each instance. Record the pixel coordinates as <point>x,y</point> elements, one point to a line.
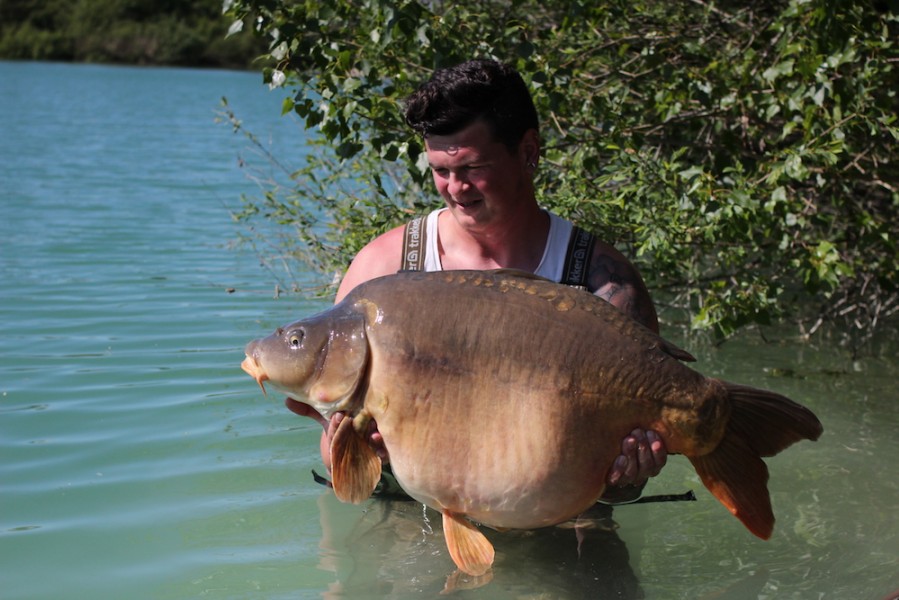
<point>502,399</point>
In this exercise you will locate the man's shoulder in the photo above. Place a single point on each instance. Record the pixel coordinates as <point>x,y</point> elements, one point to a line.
<point>615,279</point>
<point>387,241</point>
<point>381,256</point>
<point>606,250</point>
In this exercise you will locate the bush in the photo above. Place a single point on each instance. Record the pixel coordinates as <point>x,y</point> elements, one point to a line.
<point>745,155</point>
<point>133,32</point>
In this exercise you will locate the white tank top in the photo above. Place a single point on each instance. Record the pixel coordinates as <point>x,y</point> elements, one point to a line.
<point>551,264</point>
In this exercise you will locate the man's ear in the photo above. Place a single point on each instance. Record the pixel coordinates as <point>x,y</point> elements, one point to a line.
<point>529,147</point>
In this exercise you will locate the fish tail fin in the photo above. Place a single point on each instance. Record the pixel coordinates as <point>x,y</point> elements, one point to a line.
<point>355,467</point>
<point>738,478</point>
<point>762,423</point>
<point>768,421</point>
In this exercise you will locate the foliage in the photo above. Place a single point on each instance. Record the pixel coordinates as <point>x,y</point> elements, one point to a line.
<point>124,31</point>
<point>743,153</point>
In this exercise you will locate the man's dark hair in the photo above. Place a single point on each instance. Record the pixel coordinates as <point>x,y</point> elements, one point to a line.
<point>455,97</point>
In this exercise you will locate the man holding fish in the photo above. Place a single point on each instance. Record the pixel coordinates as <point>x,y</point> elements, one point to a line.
<point>480,130</point>
<point>501,395</point>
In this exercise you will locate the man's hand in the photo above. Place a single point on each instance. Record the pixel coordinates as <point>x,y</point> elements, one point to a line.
<point>643,455</point>
<point>330,426</point>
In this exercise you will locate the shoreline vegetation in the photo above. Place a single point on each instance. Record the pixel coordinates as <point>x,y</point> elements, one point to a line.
<point>743,155</point>
<point>191,33</point>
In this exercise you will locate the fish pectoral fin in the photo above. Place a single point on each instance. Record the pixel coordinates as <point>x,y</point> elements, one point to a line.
<point>469,548</point>
<point>355,467</point>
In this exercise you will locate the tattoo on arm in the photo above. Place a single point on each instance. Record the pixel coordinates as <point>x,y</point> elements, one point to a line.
<point>619,284</point>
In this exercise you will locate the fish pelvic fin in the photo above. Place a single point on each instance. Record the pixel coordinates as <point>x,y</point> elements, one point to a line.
<point>761,423</point>
<point>355,467</point>
<point>469,548</point>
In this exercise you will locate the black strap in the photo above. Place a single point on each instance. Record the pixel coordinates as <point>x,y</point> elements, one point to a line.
<point>687,496</point>
<point>577,258</point>
<point>414,240</point>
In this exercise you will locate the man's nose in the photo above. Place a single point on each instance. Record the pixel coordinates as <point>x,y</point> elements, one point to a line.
<point>457,184</point>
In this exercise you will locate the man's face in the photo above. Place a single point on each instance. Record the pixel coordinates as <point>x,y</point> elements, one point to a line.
<point>478,177</point>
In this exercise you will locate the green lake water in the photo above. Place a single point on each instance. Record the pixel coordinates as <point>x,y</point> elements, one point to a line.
<point>138,461</point>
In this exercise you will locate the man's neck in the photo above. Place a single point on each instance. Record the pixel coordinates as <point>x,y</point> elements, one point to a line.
<point>514,243</point>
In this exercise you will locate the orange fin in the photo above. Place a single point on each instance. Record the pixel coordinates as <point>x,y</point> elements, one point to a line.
<point>762,423</point>
<point>355,468</point>
<point>769,422</point>
<point>739,479</point>
<point>470,549</point>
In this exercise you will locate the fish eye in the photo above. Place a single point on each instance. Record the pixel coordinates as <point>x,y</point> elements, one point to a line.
<point>296,338</point>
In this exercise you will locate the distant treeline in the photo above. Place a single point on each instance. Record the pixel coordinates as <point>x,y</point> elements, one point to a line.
<point>145,32</point>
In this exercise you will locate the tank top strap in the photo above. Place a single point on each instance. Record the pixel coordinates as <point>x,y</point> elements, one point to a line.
<point>432,245</point>
<point>420,249</point>
<point>577,258</point>
<point>414,240</point>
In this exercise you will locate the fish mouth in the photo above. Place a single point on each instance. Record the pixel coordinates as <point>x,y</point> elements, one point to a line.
<point>255,371</point>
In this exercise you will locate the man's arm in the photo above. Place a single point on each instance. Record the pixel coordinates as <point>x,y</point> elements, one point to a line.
<point>614,279</point>
<point>381,256</point>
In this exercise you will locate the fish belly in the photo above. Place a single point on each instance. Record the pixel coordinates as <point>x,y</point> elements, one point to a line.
<point>500,457</point>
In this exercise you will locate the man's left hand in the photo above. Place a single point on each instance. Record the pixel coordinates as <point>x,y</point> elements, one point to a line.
<point>643,455</point>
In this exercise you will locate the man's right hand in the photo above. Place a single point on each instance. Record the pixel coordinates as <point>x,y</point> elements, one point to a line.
<point>330,426</point>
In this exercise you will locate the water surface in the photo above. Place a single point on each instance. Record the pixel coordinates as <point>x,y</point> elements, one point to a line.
<point>138,461</point>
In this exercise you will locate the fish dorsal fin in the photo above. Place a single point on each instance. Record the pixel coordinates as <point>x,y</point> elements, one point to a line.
<point>678,353</point>
<point>355,467</point>
<point>470,549</point>
<point>665,345</point>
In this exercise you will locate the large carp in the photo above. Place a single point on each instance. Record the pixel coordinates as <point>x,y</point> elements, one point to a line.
<point>503,398</point>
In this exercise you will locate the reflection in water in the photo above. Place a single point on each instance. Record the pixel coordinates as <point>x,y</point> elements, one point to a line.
<point>395,548</point>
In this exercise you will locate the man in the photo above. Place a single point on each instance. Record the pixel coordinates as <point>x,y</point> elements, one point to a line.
<point>479,127</point>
